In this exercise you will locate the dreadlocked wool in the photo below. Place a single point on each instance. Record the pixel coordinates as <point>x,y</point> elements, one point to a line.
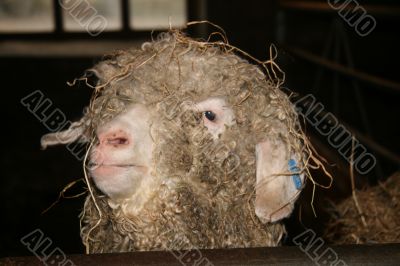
<point>207,197</point>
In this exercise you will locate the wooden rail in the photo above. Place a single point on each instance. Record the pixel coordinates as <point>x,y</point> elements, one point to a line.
<point>323,6</point>
<point>344,70</point>
<point>71,48</point>
<point>382,254</point>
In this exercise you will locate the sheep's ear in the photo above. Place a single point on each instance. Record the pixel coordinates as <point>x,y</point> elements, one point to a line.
<point>278,181</point>
<point>103,71</point>
<point>75,132</point>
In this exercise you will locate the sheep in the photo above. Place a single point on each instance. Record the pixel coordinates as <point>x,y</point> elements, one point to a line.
<point>189,146</point>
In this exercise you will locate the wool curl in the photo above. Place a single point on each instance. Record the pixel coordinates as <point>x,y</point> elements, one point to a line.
<point>204,202</point>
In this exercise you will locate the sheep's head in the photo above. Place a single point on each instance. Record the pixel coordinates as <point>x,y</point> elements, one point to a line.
<point>181,113</point>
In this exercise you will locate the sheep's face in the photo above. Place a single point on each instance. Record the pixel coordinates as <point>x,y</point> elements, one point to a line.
<point>121,160</point>
<point>196,115</point>
<point>122,163</point>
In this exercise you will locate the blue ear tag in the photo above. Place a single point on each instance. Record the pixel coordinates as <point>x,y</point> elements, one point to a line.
<point>294,169</point>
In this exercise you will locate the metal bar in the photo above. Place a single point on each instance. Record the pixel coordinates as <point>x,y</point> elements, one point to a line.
<point>348,71</point>
<point>58,17</point>
<point>196,10</point>
<point>381,254</point>
<point>325,7</point>
<point>327,47</point>
<point>201,9</point>
<point>125,11</point>
<point>357,90</point>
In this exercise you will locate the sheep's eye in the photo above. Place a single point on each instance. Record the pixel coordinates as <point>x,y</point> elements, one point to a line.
<point>209,115</point>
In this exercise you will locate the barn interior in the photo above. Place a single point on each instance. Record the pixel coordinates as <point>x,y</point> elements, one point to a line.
<point>347,59</point>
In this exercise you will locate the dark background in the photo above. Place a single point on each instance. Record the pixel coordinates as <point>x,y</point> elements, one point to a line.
<point>30,179</point>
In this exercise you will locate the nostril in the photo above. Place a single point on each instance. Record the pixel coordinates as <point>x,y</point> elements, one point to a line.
<point>115,138</point>
<point>117,141</point>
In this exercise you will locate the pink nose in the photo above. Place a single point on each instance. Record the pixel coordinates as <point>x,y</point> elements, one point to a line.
<point>114,139</point>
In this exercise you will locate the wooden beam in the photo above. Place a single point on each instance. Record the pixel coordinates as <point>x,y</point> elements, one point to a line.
<point>72,48</point>
<point>348,71</point>
<point>380,10</point>
<point>379,254</point>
